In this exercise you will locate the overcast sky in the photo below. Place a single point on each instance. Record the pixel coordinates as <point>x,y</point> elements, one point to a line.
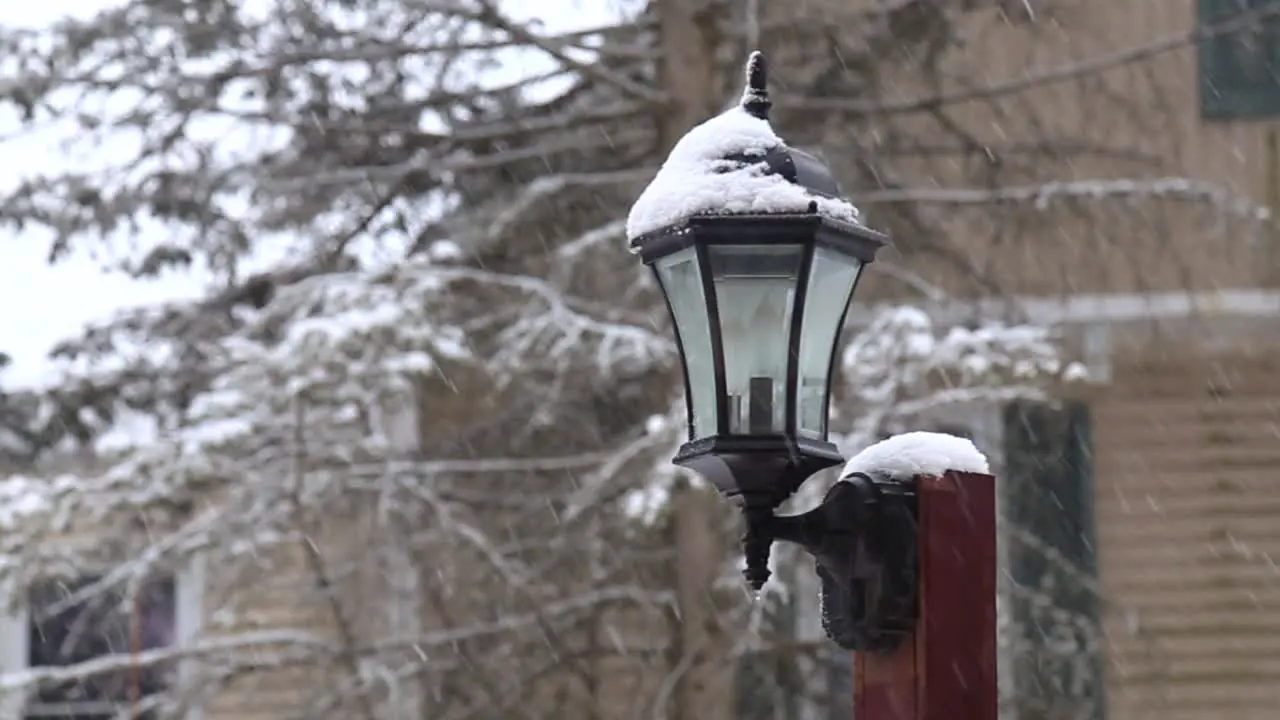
<point>42,304</point>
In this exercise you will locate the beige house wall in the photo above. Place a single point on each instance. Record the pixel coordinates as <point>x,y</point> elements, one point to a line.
<point>1188,504</point>
<point>1139,119</point>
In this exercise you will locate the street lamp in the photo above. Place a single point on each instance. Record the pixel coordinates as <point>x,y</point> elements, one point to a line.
<point>757,258</point>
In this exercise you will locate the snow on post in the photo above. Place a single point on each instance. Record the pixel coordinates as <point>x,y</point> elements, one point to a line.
<point>719,168</point>
<point>918,454</point>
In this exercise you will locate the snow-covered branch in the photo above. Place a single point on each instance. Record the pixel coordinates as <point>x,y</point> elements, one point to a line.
<point>902,368</point>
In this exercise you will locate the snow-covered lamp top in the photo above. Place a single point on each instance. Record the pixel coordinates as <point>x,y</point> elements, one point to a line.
<point>735,164</point>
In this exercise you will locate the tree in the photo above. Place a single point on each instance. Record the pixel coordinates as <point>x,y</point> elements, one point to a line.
<point>379,220</point>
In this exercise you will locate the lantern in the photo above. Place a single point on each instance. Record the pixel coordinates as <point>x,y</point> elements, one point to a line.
<point>757,258</point>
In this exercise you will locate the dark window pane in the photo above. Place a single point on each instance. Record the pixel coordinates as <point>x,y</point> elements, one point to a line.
<point>768,685</point>
<point>1239,70</point>
<point>1055,639</point>
<point>66,630</point>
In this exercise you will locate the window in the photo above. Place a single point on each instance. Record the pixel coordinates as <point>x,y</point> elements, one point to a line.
<point>1240,70</point>
<point>768,684</point>
<point>65,631</point>
<point>789,678</point>
<point>1057,668</point>
<point>57,627</point>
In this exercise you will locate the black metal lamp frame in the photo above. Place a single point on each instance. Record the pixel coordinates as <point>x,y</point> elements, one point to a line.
<point>862,536</point>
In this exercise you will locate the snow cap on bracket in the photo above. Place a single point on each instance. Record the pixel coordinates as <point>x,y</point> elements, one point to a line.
<point>735,164</point>
<point>918,453</point>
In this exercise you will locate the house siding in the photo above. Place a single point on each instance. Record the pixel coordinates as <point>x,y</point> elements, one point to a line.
<point>1189,532</point>
<point>269,594</point>
<point>1142,119</point>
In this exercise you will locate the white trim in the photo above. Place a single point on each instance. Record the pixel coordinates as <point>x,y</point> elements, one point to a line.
<point>406,699</point>
<point>1105,308</point>
<point>189,589</point>
<point>189,592</point>
<point>14,637</point>
<point>1096,351</point>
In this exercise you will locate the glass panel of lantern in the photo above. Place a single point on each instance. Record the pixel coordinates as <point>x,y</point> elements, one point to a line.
<point>832,278</point>
<point>681,282</point>
<point>755,287</point>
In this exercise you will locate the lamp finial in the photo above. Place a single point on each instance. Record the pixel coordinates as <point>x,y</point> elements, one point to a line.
<point>755,98</point>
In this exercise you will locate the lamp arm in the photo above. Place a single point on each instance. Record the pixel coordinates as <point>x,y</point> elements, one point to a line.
<point>863,541</point>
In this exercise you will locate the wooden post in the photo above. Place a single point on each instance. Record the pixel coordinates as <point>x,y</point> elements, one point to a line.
<point>947,669</point>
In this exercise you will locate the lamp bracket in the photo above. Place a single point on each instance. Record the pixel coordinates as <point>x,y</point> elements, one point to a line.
<point>863,541</point>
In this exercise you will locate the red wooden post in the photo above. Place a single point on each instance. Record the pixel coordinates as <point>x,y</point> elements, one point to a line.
<point>947,669</point>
